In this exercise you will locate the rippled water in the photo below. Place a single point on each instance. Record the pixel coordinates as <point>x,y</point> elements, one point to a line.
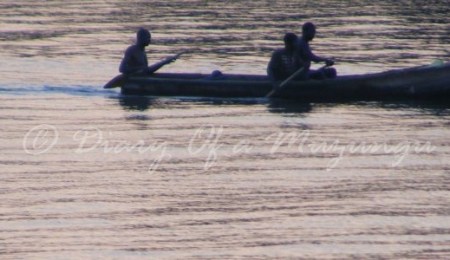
<point>89,173</point>
<point>68,42</point>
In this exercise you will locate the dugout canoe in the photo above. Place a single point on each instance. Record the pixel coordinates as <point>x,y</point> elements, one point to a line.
<point>424,82</point>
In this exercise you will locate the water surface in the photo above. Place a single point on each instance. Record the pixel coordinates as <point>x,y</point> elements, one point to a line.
<point>89,173</point>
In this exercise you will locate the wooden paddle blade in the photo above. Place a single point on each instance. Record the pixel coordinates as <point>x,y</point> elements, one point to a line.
<point>117,81</point>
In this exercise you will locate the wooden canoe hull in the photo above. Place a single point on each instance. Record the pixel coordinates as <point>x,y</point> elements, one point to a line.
<point>419,82</point>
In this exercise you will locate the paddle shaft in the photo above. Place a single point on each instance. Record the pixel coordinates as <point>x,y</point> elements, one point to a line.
<point>166,61</point>
<point>286,81</point>
<point>119,80</point>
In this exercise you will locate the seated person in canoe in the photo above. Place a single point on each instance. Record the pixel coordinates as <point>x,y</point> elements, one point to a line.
<point>285,61</point>
<point>135,59</point>
<point>304,53</point>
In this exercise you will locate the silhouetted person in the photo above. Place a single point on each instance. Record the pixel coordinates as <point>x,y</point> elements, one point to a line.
<point>135,59</point>
<point>306,56</point>
<point>284,62</point>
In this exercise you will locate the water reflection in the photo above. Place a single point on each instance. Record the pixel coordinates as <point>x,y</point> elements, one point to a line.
<point>143,103</point>
<point>278,106</point>
<point>139,103</point>
<point>288,106</point>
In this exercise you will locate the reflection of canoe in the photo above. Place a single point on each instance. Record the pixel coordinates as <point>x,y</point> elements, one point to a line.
<point>418,82</point>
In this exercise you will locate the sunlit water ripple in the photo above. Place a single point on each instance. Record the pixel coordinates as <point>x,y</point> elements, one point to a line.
<point>88,173</point>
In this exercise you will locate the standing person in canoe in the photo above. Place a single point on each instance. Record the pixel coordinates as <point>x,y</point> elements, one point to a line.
<point>135,59</point>
<point>304,53</point>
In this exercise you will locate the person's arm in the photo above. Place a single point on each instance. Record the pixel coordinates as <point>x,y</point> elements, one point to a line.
<point>124,65</point>
<point>160,64</point>
<point>129,64</point>
<point>274,66</point>
<point>310,56</point>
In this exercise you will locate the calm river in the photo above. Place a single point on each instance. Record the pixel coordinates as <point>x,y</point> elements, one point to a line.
<point>87,173</point>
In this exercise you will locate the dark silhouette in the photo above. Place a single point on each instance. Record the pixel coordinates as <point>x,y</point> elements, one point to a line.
<point>306,56</point>
<point>135,59</point>
<point>139,103</point>
<point>284,62</point>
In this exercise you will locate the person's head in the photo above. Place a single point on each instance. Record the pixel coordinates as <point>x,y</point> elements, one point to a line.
<point>289,41</point>
<point>143,37</point>
<point>308,31</point>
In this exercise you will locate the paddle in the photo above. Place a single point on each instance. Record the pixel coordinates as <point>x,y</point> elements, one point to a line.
<point>166,61</point>
<point>115,82</point>
<point>119,80</point>
<point>286,81</point>
<point>295,74</point>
